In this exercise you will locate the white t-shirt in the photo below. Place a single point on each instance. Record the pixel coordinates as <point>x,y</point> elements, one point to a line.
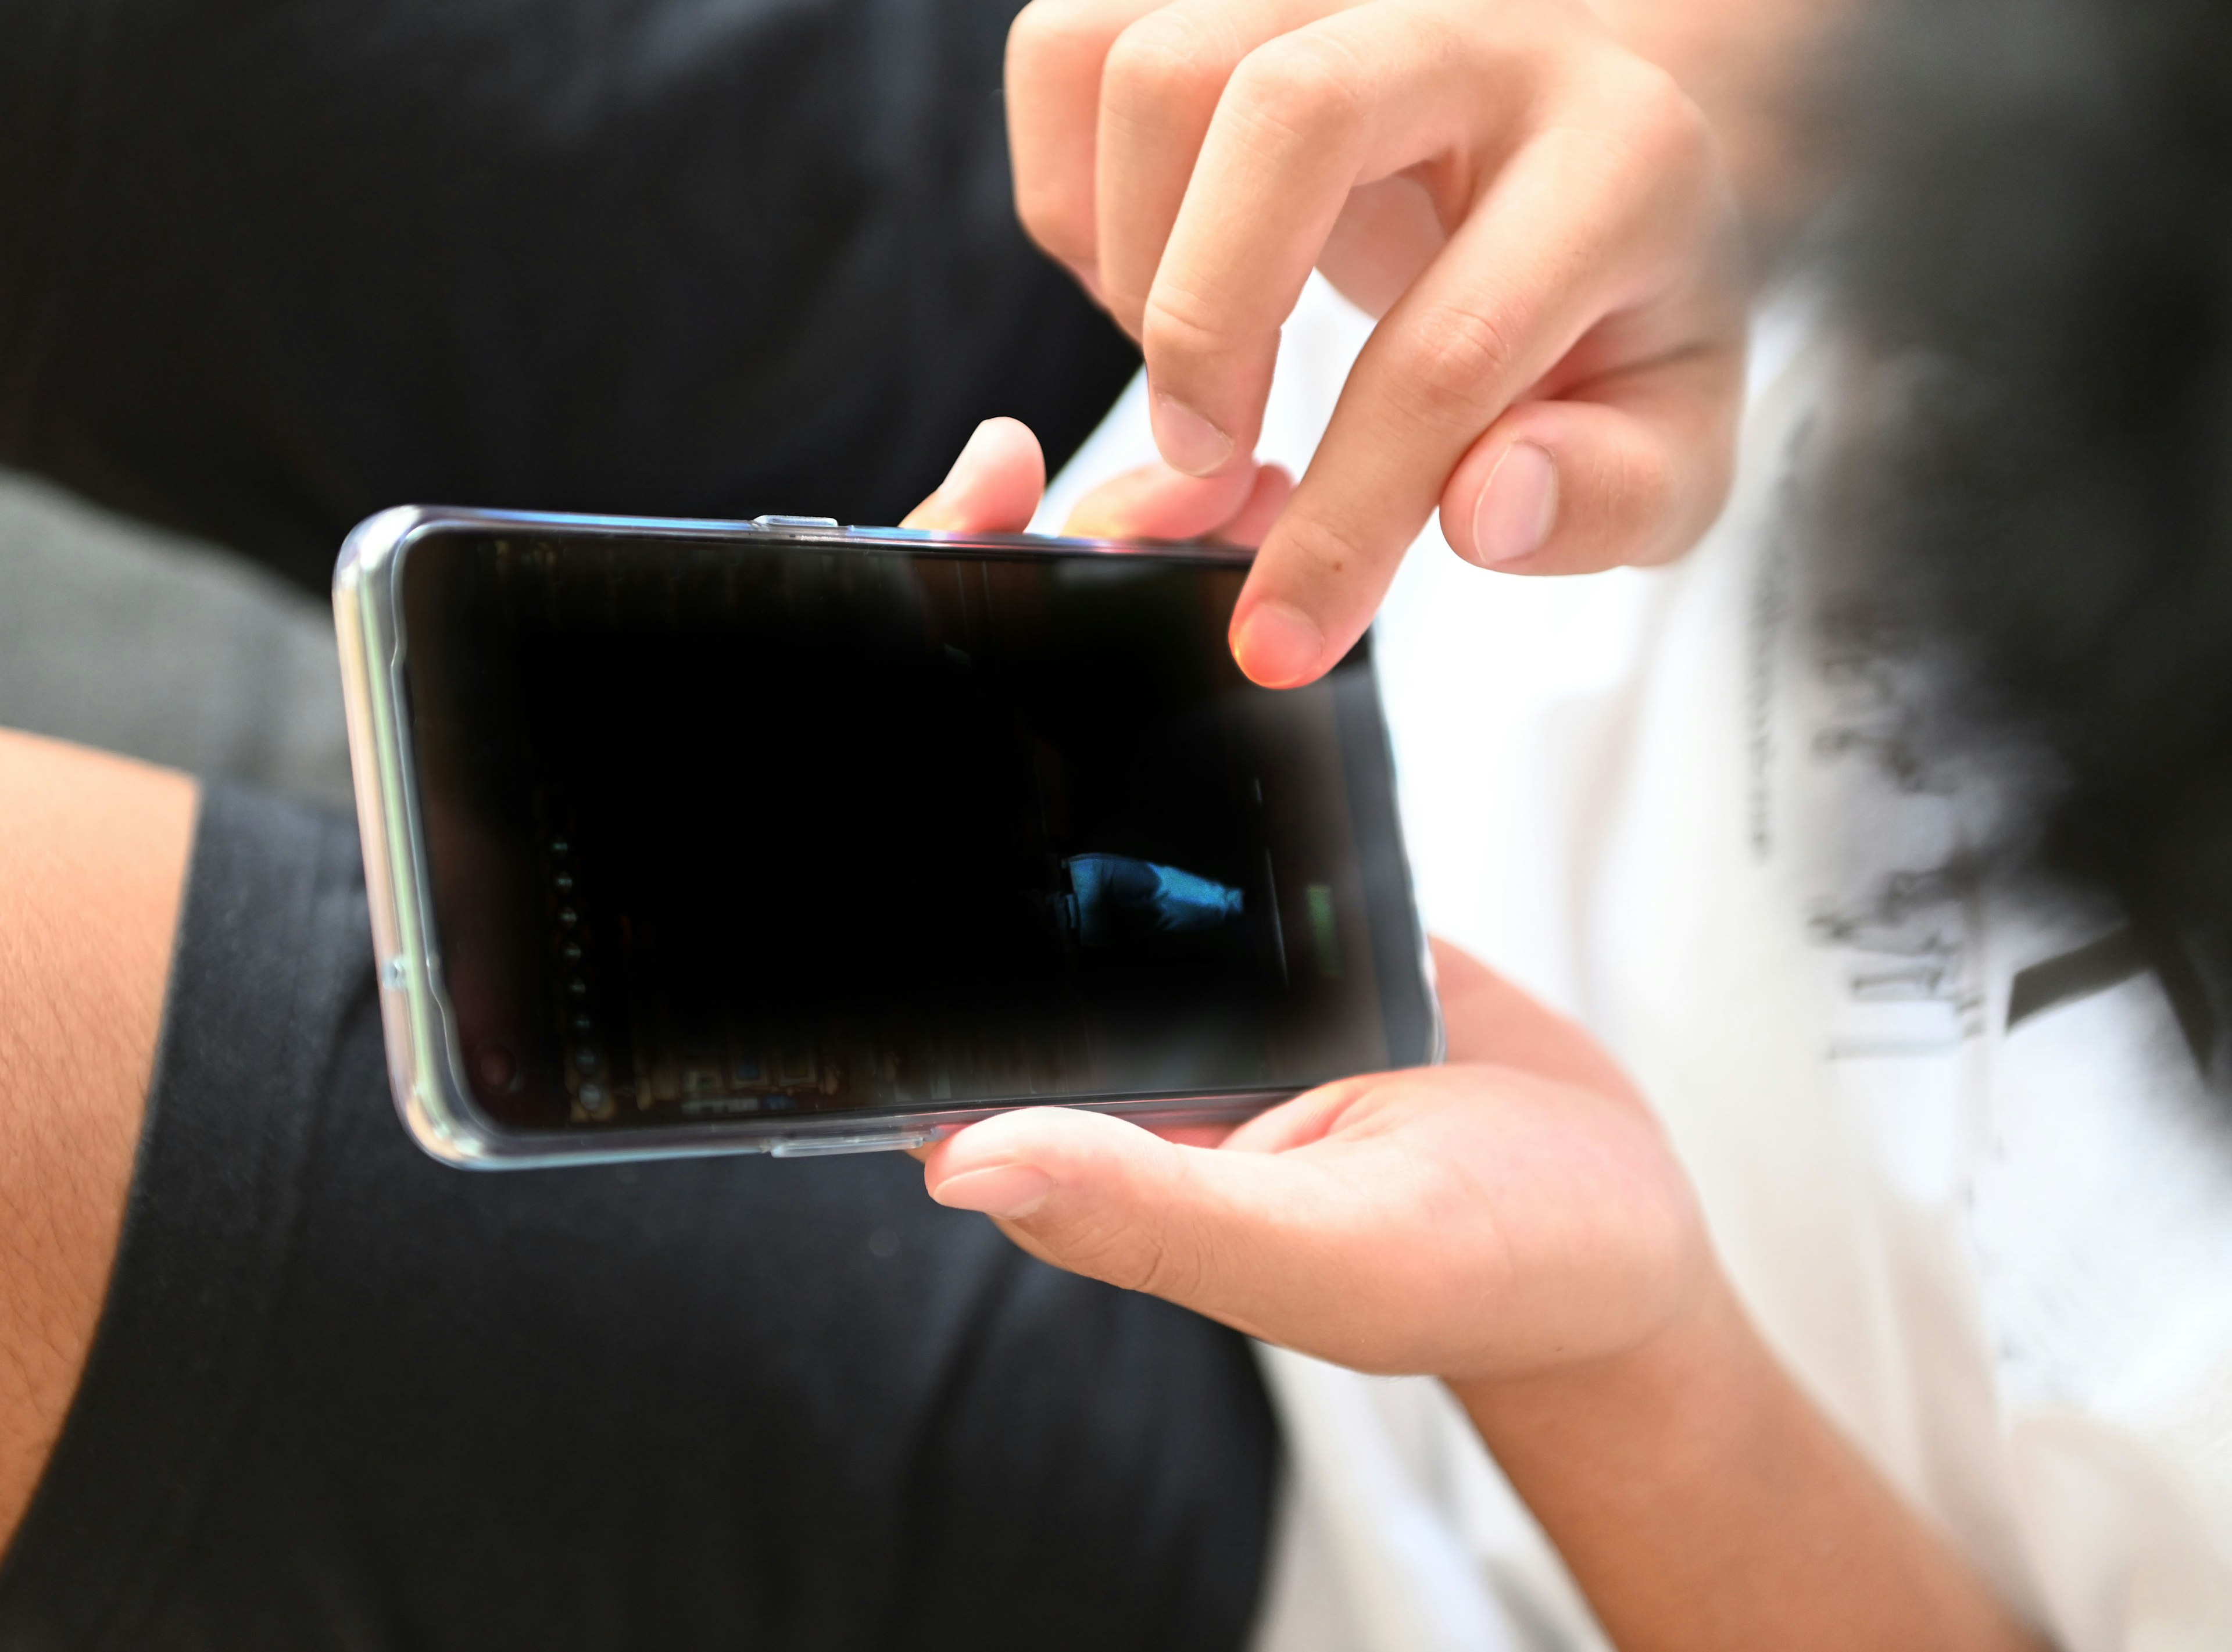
<point>2001,1260</point>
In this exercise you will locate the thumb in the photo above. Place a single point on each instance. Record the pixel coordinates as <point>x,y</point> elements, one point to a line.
<point>994,486</point>
<point>1634,473</point>
<point>1104,1198</point>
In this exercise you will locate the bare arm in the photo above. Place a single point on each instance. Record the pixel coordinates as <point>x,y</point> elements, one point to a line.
<point>1701,1501</point>
<point>1698,1497</point>
<point>93,862</point>
<point>1512,1222</point>
<point>1515,1222</point>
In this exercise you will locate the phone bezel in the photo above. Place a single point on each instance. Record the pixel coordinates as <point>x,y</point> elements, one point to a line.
<point>424,1056</point>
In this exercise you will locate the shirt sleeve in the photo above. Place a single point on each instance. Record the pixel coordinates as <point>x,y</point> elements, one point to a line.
<point>267,266</point>
<point>344,1396</point>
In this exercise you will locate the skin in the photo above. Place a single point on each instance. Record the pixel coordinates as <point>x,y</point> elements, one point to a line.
<point>1514,1224</point>
<point>92,861</point>
<point>1536,214</point>
<point>1513,1220</point>
<point>1757,69</point>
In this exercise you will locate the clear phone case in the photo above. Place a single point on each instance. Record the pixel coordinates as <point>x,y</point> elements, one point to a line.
<point>424,1058</point>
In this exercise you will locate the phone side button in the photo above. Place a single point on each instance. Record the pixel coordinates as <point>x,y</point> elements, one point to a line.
<point>809,1147</point>
<point>794,521</point>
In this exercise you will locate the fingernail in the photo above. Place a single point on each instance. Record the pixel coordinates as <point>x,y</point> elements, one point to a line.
<point>1189,442</point>
<point>1517,506</point>
<point>1277,645</point>
<point>1005,1190</point>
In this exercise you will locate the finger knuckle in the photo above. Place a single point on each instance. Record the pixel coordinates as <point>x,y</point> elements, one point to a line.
<point>1458,360</point>
<point>1638,485</point>
<point>1328,550</point>
<point>1671,498</point>
<point>1170,1269</point>
<point>1305,88</point>
<point>1131,1257</point>
<point>1621,508</point>
<point>1158,62</point>
<point>1177,328</point>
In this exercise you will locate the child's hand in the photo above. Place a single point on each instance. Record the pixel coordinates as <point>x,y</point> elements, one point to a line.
<point>1538,217</point>
<point>996,481</point>
<point>1512,1213</point>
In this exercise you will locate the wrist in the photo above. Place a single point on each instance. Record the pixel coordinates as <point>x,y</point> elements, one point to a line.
<point>1677,1393</point>
<point>1702,1501</point>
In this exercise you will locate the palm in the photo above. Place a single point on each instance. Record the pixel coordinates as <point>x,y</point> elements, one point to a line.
<point>1468,1221</point>
<point>1512,1211</point>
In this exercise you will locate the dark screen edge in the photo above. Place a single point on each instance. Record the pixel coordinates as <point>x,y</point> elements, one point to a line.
<point>1398,940</point>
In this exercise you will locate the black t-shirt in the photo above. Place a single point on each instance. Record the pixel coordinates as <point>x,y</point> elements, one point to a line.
<point>268,266</point>
<point>343,1396</point>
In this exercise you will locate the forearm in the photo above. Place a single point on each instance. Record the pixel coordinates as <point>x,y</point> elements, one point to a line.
<point>93,858</point>
<point>1701,1501</point>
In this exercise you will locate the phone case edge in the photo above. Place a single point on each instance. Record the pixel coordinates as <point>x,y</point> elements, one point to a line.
<point>424,1076</point>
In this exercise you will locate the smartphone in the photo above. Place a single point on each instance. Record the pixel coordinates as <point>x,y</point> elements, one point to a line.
<point>693,837</point>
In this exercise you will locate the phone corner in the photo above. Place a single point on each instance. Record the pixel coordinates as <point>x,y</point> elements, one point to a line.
<point>371,545</point>
<point>446,1133</point>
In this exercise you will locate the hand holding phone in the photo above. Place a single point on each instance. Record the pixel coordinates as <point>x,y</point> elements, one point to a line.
<point>1517,1223</point>
<point>1515,1212</point>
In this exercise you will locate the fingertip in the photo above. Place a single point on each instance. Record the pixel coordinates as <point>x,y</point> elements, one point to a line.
<point>995,484</point>
<point>1576,487</point>
<point>1277,645</point>
<point>1008,1192</point>
<point>1266,498</point>
<point>1154,502</point>
<point>1003,460</point>
<point>1188,440</point>
<point>1045,1136</point>
<point>1013,1165</point>
<point>1516,510</point>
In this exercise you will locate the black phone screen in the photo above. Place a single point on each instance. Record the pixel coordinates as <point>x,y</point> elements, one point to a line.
<point>726,824</point>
